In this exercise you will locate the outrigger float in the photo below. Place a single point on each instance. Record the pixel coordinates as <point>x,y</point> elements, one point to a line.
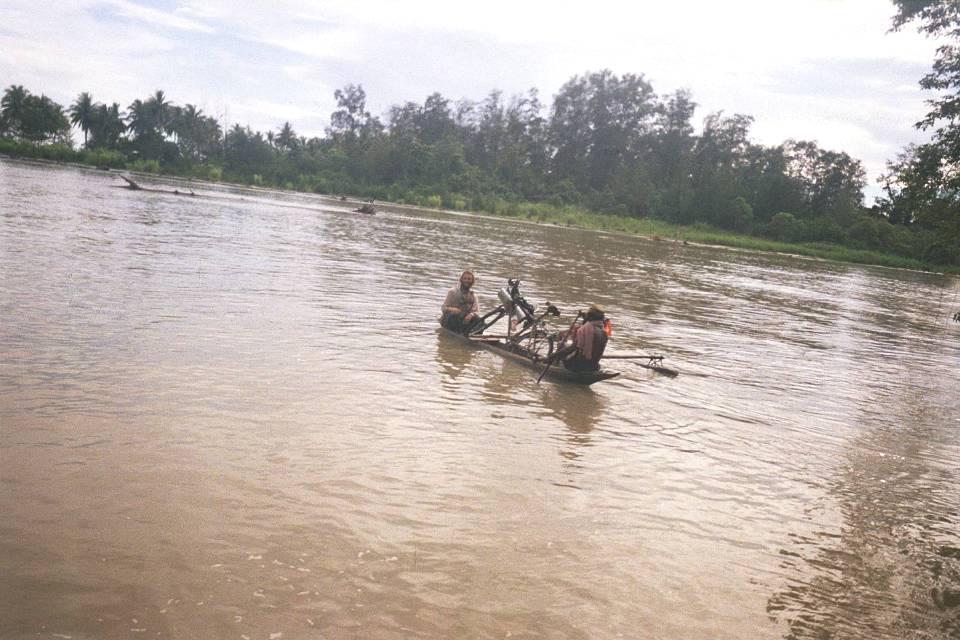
<point>533,345</point>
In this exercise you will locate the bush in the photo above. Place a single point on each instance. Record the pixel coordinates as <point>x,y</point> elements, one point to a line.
<point>783,227</point>
<point>101,158</point>
<point>742,214</point>
<point>823,229</point>
<point>145,166</point>
<point>863,234</point>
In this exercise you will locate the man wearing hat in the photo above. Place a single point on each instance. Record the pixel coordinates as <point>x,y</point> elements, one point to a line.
<point>589,341</point>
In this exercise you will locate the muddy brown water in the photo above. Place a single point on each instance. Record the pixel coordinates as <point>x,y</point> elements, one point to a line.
<point>231,416</point>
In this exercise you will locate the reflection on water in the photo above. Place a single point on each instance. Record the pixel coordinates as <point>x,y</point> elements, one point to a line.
<point>453,355</point>
<point>892,567</point>
<point>232,416</point>
<point>578,407</point>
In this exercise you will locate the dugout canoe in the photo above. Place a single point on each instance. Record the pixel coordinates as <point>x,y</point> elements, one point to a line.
<point>534,361</point>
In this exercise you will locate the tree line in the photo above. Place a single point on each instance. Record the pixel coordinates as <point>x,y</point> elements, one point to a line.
<point>607,143</point>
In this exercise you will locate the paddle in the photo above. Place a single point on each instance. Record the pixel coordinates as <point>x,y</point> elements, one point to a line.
<point>553,358</point>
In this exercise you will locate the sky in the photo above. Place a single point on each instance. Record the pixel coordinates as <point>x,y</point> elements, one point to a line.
<point>823,70</point>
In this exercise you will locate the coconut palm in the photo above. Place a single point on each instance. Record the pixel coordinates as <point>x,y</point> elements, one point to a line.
<point>188,122</point>
<point>161,109</point>
<point>12,108</point>
<point>81,113</point>
<point>286,138</point>
<point>106,126</point>
<point>209,137</point>
<point>139,119</point>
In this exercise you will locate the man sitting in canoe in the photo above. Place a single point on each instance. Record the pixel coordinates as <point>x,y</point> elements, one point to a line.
<point>460,306</point>
<point>589,340</point>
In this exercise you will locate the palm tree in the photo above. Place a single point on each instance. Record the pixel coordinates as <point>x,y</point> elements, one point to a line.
<point>81,113</point>
<point>106,126</point>
<point>140,118</point>
<point>13,106</point>
<point>189,120</point>
<point>209,137</point>
<point>161,110</point>
<point>286,137</point>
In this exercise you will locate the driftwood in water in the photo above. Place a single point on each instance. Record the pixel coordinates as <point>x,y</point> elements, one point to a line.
<point>366,208</point>
<point>956,316</point>
<point>133,186</point>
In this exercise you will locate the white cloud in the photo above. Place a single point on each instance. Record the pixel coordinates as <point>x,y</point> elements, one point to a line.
<point>819,69</point>
<point>155,17</point>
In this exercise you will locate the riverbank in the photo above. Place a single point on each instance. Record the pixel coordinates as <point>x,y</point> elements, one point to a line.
<point>569,216</point>
<point>706,235</point>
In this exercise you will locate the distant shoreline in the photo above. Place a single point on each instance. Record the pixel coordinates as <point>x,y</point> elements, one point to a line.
<point>575,218</point>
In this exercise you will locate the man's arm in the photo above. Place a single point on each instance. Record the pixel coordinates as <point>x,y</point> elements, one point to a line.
<point>450,303</point>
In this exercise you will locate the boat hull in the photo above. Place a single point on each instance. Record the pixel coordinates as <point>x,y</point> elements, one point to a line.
<point>556,372</point>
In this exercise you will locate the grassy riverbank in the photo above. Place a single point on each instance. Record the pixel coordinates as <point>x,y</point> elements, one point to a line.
<point>704,234</point>
<point>567,216</point>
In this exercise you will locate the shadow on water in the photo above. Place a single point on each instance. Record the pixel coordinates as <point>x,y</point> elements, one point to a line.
<point>892,570</point>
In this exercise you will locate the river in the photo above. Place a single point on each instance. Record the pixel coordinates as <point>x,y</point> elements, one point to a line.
<point>231,416</point>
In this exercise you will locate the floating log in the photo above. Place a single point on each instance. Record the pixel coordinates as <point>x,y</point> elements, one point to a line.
<point>366,208</point>
<point>133,186</point>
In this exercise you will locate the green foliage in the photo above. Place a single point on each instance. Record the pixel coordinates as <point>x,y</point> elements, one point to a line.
<point>145,165</point>
<point>103,158</point>
<point>35,118</point>
<point>607,144</point>
<point>922,186</point>
<point>783,227</point>
<point>823,229</point>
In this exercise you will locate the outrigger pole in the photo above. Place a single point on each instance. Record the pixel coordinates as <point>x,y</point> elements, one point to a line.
<point>653,362</point>
<point>527,340</point>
